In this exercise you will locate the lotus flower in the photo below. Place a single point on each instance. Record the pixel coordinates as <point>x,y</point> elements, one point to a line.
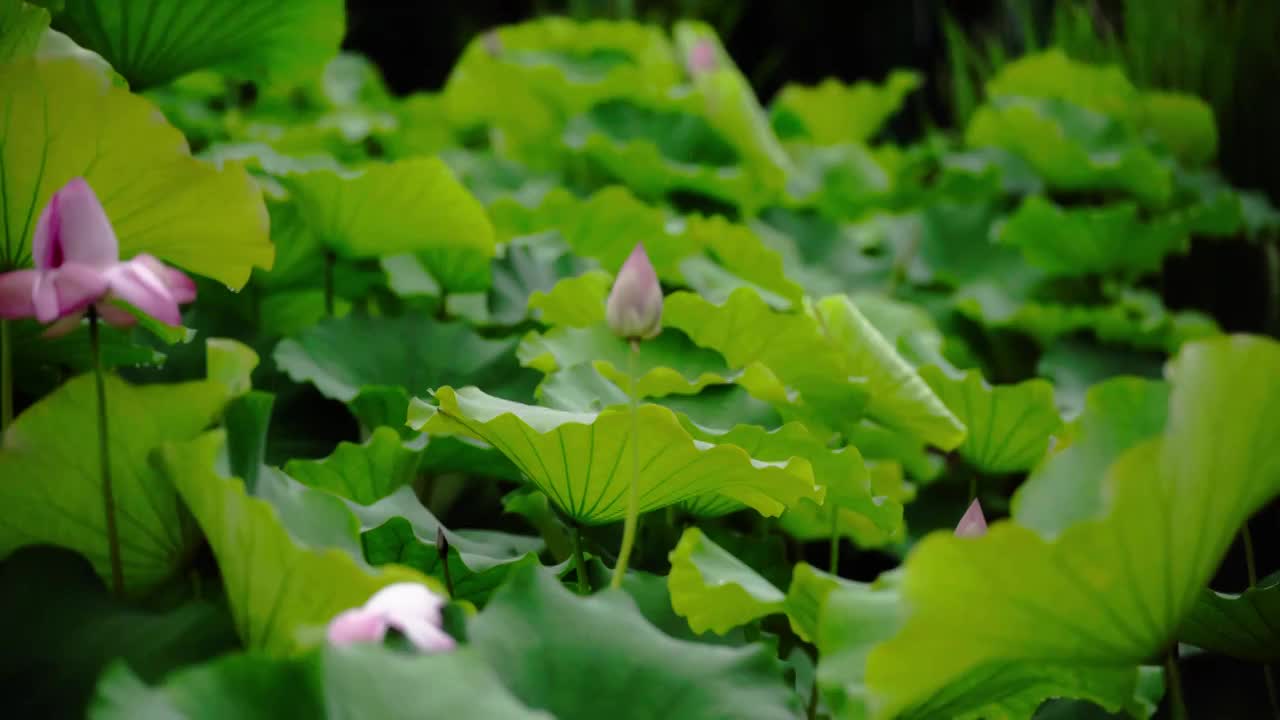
<point>77,265</point>
<point>973,523</point>
<point>410,608</point>
<point>634,309</point>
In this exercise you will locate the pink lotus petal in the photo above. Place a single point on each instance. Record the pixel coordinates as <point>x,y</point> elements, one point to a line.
<point>115,316</point>
<point>424,635</point>
<point>67,290</point>
<point>359,625</point>
<point>137,284</point>
<point>180,286</point>
<point>16,292</point>
<point>73,228</point>
<point>634,308</point>
<point>973,523</point>
<point>406,602</point>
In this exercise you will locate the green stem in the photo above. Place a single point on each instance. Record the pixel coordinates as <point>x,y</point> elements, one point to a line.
<point>973,487</point>
<point>6,375</point>
<point>1173,680</point>
<point>579,561</point>
<point>1250,564</point>
<point>834,566</point>
<point>104,458</point>
<point>633,499</point>
<point>329,260</point>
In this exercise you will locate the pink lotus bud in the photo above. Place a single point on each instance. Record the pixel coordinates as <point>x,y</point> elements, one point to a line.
<point>973,523</point>
<point>634,308</point>
<point>410,608</point>
<point>702,57</point>
<point>77,264</point>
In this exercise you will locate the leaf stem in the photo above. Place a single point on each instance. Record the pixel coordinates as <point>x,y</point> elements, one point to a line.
<point>6,375</point>
<point>633,499</point>
<point>329,261</point>
<point>579,561</point>
<point>834,564</point>
<point>1250,563</point>
<point>1173,679</point>
<point>104,458</point>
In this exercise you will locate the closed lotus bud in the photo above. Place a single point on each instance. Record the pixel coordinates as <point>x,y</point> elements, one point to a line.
<point>973,523</point>
<point>634,308</point>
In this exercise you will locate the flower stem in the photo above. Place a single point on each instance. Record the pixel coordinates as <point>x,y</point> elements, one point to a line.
<point>633,499</point>
<point>104,458</point>
<point>579,561</point>
<point>834,566</point>
<point>1173,680</point>
<point>6,375</point>
<point>329,260</point>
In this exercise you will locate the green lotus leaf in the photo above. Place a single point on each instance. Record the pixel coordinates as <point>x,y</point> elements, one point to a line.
<point>807,596</point>
<point>1241,625</point>
<point>21,27</point>
<point>1072,148</point>
<point>789,346</point>
<point>900,398</point>
<point>364,473</point>
<point>831,113</point>
<point>1118,414</point>
<point>152,42</point>
<point>1184,123</point>
<point>606,657</point>
<point>53,483</point>
<point>408,206</point>
<point>1135,317</point>
<point>357,681</point>
<point>576,302</point>
<point>74,123</point>
<point>665,365</point>
<point>305,566</point>
<point>577,458</point>
<point>61,619</point>
<point>41,363</point>
<point>1075,365</point>
<point>1008,619</point>
<point>1092,240</point>
<point>1009,425</point>
<point>344,355</point>
<point>398,529</point>
<point>527,267</point>
<point>714,590</point>
<point>610,223</point>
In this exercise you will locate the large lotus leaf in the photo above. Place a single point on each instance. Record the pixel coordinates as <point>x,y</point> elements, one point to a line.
<point>577,302</point>
<point>605,659</point>
<point>351,682</point>
<point>1009,619</point>
<point>414,352</point>
<point>287,564</point>
<point>151,42</point>
<point>364,473</point>
<point>832,113</point>
<point>414,205</point>
<point>610,223</point>
<point>1092,240</point>
<point>1118,414</point>
<point>665,365</point>
<point>900,398</point>
<point>1009,425</point>
<point>74,123</point>
<point>583,460</point>
<point>21,27</point>
<point>52,481</point>
<point>1184,124</point>
<point>790,346</point>
<point>527,267</point>
<point>64,626</point>
<point>1072,148</point>
<point>1241,625</point>
<point>870,520</point>
<point>398,529</point>
<point>1135,317</point>
<point>1075,365</point>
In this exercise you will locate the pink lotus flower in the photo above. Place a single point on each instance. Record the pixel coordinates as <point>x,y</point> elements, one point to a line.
<point>410,608</point>
<point>77,265</point>
<point>634,308</point>
<point>973,523</point>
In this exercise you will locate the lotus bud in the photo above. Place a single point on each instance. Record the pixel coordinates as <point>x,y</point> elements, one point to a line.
<point>973,523</point>
<point>410,608</point>
<point>702,57</point>
<point>634,308</point>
